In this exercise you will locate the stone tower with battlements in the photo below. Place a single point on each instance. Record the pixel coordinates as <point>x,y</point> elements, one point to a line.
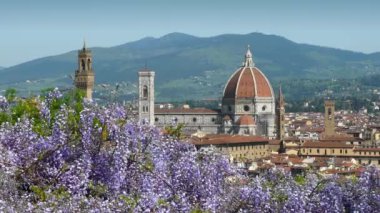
<point>84,75</point>
<point>280,115</point>
<point>329,118</point>
<point>146,96</point>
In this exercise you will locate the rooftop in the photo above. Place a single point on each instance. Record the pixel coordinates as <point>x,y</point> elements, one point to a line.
<point>219,139</point>
<point>331,144</point>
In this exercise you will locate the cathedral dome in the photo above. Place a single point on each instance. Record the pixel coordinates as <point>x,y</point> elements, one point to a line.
<point>246,120</point>
<point>248,82</point>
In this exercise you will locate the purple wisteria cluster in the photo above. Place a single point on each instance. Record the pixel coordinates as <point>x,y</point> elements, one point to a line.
<point>97,160</point>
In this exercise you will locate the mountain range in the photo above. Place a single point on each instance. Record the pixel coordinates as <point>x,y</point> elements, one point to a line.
<point>194,67</point>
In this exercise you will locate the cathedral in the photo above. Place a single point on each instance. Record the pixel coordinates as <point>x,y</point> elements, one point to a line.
<point>248,106</point>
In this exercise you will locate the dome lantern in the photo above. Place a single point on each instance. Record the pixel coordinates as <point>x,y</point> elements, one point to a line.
<point>248,58</point>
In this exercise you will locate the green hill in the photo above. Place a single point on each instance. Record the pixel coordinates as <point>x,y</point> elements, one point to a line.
<point>189,67</point>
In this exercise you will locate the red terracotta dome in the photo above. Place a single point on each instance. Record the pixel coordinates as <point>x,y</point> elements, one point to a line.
<point>227,118</point>
<point>246,120</point>
<point>248,82</point>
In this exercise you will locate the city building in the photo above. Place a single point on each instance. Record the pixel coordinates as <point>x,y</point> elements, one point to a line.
<point>237,147</point>
<point>280,115</point>
<point>329,118</point>
<point>244,127</point>
<point>248,107</point>
<point>84,75</point>
<point>146,96</point>
<point>341,149</point>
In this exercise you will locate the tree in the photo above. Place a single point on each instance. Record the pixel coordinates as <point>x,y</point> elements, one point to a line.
<point>175,131</point>
<point>10,95</point>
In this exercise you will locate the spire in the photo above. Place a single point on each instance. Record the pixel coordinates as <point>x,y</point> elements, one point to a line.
<point>248,54</point>
<point>281,100</point>
<point>280,115</point>
<point>248,58</point>
<point>84,44</point>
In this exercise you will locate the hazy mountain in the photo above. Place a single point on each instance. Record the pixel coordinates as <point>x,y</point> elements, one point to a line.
<point>199,67</point>
<point>1,67</point>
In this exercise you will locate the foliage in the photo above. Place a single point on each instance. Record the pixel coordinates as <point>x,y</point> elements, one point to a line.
<point>103,162</point>
<point>10,94</point>
<point>175,131</point>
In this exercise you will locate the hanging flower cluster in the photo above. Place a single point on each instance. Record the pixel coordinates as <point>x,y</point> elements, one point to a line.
<point>74,157</point>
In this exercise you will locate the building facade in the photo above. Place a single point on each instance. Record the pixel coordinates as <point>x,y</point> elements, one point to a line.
<point>329,118</point>
<point>146,96</point>
<point>248,107</point>
<point>280,116</point>
<point>248,93</point>
<point>237,147</point>
<point>341,149</point>
<point>198,119</point>
<point>84,75</point>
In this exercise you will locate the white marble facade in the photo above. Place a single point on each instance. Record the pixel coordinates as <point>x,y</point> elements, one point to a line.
<point>248,93</point>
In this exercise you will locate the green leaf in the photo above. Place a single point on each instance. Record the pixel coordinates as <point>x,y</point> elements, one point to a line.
<point>41,195</point>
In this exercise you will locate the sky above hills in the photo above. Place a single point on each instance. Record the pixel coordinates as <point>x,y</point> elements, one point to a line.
<point>33,29</point>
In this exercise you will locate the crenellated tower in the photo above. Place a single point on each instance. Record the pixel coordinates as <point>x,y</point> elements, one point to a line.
<point>84,75</point>
<point>280,115</point>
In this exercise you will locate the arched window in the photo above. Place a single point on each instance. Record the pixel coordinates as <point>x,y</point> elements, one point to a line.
<point>329,112</point>
<point>83,64</point>
<point>145,91</point>
<point>89,63</point>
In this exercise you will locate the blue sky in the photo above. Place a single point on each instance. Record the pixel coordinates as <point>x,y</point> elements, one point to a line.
<point>33,29</point>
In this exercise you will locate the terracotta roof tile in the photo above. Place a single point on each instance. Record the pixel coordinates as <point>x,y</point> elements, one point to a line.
<point>336,144</point>
<point>373,149</point>
<point>248,82</point>
<point>246,85</point>
<point>230,90</point>
<point>296,160</point>
<point>274,142</point>
<point>246,120</point>
<point>337,138</point>
<point>227,139</point>
<point>262,84</point>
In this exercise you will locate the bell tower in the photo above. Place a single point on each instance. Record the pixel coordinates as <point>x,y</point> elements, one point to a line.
<point>280,115</point>
<point>146,96</point>
<point>84,75</point>
<point>329,117</point>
